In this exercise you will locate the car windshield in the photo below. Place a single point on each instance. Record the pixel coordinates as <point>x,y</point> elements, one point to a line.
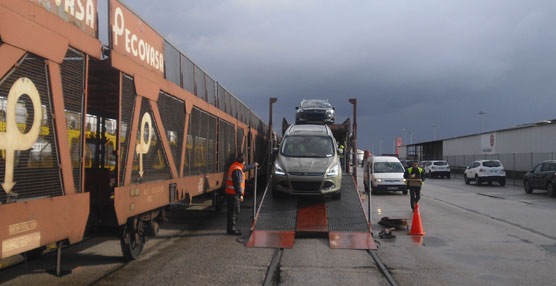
<point>388,167</point>
<point>491,164</point>
<point>307,146</point>
<point>315,103</point>
<point>441,163</point>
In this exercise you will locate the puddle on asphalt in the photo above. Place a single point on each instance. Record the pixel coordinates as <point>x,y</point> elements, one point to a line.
<point>431,241</point>
<point>550,248</point>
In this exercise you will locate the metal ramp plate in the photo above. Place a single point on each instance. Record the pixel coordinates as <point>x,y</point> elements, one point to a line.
<point>344,220</point>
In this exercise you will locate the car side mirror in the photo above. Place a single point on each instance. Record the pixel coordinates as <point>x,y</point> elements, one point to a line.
<point>333,108</point>
<point>467,167</point>
<point>297,107</point>
<point>532,171</point>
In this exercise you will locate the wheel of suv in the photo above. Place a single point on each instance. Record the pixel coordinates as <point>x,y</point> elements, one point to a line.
<point>448,176</point>
<point>466,179</point>
<point>503,182</point>
<point>477,180</point>
<point>550,189</point>
<point>404,192</point>
<point>527,187</point>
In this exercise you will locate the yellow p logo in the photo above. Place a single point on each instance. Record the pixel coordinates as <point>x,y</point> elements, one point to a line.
<point>13,140</point>
<point>142,146</point>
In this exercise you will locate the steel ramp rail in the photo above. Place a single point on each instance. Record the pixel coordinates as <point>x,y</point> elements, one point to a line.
<point>344,221</point>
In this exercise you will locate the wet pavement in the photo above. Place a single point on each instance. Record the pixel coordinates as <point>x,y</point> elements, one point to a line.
<point>471,238</point>
<point>487,235</point>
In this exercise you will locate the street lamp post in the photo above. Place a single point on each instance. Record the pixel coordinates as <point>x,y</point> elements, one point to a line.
<point>481,113</point>
<point>434,132</point>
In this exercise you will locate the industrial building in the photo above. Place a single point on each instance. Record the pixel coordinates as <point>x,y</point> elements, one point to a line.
<point>519,148</point>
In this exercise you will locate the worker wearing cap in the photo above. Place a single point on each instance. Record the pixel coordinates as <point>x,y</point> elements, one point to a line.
<point>414,173</point>
<point>235,190</point>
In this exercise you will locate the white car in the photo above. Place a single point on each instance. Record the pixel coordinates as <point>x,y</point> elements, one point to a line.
<point>384,173</point>
<point>485,171</point>
<point>437,168</point>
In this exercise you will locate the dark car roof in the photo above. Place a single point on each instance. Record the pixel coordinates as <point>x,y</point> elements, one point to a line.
<point>315,103</point>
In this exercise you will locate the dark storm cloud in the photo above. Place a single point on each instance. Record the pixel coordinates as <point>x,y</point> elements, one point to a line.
<point>411,64</point>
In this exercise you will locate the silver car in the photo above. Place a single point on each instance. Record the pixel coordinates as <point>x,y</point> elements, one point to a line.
<point>307,162</point>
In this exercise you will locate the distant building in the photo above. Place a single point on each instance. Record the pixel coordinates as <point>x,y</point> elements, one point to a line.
<point>519,148</point>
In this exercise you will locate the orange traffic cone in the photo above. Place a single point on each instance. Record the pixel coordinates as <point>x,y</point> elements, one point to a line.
<point>416,226</point>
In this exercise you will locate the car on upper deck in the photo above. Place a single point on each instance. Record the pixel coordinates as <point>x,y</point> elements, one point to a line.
<point>307,162</point>
<point>315,111</point>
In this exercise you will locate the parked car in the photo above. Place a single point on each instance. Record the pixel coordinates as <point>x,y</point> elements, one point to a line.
<point>485,171</point>
<point>307,163</point>
<point>424,164</point>
<point>315,111</point>
<point>543,176</point>
<point>437,169</point>
<point>384,173</point>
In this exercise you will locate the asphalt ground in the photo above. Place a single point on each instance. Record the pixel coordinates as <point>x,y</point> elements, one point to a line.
<point>475,235</point>
<point>193,249</point>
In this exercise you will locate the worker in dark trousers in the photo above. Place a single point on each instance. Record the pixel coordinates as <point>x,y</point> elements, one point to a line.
<point>415,178</point>
<point>235,189</point>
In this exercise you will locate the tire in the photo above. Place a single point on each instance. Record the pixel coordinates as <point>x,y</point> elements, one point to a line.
<point>490,183</point>
<point>502,182</point>
<point>132,239</point>
<point>404,192</point>
<point>527,187</point>
<point>477,180</point>
<point>448,176</point>
<point>550,189</point>
<point>373,191</point>
<point>337,196</point>
<point>465,179</point>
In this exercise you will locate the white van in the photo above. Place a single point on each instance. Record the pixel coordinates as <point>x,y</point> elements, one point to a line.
<point>383,173</point>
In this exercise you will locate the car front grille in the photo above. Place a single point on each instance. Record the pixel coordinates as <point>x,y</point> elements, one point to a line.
<point>306,187</point>
<point>309,174</point>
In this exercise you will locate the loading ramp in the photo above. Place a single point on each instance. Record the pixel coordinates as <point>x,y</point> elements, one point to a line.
<point>280,220</point>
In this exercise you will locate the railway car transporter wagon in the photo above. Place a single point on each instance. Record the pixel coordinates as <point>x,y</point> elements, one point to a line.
<point>91,135</point>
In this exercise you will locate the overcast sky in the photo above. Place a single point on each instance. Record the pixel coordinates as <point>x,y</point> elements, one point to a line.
<point>411,64</point>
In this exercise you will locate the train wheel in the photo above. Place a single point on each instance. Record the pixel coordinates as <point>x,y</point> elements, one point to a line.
<point>132,239</point>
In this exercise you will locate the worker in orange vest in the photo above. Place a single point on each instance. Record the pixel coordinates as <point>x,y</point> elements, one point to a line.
<point>235,189</point>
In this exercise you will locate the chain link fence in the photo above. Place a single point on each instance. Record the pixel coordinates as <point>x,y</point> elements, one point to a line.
<point>515,164</point>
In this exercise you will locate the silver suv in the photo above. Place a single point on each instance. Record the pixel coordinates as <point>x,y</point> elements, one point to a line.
<point>307,162</point>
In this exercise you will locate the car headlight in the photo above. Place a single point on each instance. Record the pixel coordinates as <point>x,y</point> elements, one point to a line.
<point>278,170</point>
<point>334,171</point>
<point>379,180</point>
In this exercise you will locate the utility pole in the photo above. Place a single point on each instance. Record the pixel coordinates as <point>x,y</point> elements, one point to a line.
<point>434,132</point>
<point>481,113</point>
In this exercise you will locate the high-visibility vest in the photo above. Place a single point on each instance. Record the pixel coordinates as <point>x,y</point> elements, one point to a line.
<point>230,183</point>
<point>410,169</point>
